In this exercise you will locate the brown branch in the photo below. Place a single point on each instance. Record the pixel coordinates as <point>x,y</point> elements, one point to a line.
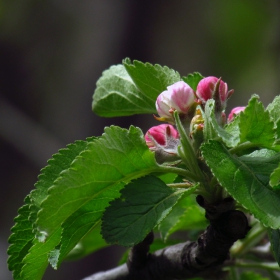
<point>202,258</point>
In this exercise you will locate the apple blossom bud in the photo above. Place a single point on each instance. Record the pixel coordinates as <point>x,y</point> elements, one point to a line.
<point>235,111</point>
<point>164,140</point>
<point>212,87</point>
<point>159,134</point>
<point>179,96</point>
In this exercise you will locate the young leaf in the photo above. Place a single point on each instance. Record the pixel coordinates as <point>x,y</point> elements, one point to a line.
<point>242,183</point>
<point>212,130</point>
<point>150,79</point>
<point>255,125</point>
<point>275,178</point>
<point>143,204</point>
<point>117,95</point>
<point>185,215</point>
<point>193,79</point>
<point>274,109</point>
<point>274,237</point>
<point>20,240</point>
<point>118,156</point>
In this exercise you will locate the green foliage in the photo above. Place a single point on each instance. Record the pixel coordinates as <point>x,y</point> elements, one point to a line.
<point>143,204</point>
<point>150,79</point>
<point>114,185</point>
<point>239,178</point>
<point>252,276</point>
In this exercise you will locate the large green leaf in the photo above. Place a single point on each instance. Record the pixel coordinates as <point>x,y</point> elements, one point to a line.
<point>142,206</point>
<point>150,79</point>
<point>117,95</point>
<point>80,223</point>
<point>116,158</point>
<point>241,181</point>
<point>274,109</point>
<point>20,240</point>
<point>36,261</point>
<point>274,237</point>
<point>256,126</point>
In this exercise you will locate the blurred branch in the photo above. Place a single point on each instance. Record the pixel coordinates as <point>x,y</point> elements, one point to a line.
<point>27,136</point>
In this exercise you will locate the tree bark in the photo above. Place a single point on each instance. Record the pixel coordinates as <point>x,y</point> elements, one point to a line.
<point>202,258</point>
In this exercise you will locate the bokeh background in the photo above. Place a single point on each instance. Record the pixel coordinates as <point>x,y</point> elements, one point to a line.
<point>52,53</point>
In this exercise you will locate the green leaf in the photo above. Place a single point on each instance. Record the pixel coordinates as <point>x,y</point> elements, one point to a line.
<point>109,162</point>
<point>90,243</point>
<point>20,239</point>
<point>185,215</point>
<point>274,109</point>
<point>36,261</point>
<point>212,130</point>
<point>80,223</point>
<point>150,79</point>
<point>274,238</point>
<point>262,163</point>
<point>143,204</point>
<point>255,125</point>
<point>59,162</point>
<point>275,178</point>
<point>117,95</point>
<point>193,79</point>
<point>241,182</point>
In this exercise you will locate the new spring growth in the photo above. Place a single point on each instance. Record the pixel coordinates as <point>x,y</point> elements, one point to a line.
<point>212,87</point>
<point>235,111</point>
<point>179,96</point>
<point>163,140</point>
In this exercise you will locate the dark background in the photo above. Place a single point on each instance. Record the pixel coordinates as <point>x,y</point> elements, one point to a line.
<point>52,53</point>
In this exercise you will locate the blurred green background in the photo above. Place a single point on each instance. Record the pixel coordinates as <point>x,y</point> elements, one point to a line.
<point>52,53</point>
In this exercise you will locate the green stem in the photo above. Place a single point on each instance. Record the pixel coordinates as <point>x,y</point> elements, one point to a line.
<point>179,171</point>
<point>267,266</point>
<point>180,185</point>
<point>243,146</point>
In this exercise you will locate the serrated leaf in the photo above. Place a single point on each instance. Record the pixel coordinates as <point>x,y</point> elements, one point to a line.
<point>59,162</point>
<point>150,79</point>
<point>255,125</point>
<point>143,204</point>
<point>275,178</point>
<point>20,239</point>
<point>212,130</point>
<point>36,261</point>
<point>274,238</point>
<point>242,184</point>
<point>185,215</point>
<point>80,223</point>
<point>118,156</point>
<point>262,163</point>
<point>274,109</point>
<point>117,95</point>
<point>193,79</point>
<point>90,243</point>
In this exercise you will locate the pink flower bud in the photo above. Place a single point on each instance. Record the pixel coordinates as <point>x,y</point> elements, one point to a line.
<point>159,134</point>
<point>207,89</point>
<point>179,96</point>
<point>163,140</point>
<point>235,111</point>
